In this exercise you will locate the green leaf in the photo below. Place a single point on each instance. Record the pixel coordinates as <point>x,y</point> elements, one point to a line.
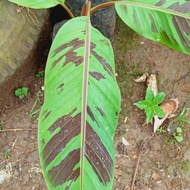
<point>149,95</point>
<point>165,21</point>
<point>159,112</point>
<point>149,115</point>
<point>159,98</point>
<point>142,104</point>
<point>37,4</point>
<point>179,130</point>
<point>179,138</point>
<point>21,92</point>
<point>80,113</point>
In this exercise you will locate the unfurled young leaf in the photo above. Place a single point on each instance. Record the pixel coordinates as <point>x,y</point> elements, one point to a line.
<point>142,104</point>
<point>159,112</point>
<point>159,98</point>
<point>149,115</point>
<point>149,95</point>
<point>80,112</point>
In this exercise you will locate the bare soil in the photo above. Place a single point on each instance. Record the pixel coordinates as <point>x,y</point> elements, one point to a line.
<point>151,161</point>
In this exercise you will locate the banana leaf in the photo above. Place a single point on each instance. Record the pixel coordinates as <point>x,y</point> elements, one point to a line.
<point>37,4</point>
<point>80,112</point>
<point>164,21</point>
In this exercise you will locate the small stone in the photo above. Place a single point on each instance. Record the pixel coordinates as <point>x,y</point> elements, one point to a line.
<point>124,141</point>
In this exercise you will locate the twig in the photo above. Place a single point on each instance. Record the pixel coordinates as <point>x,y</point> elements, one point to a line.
<point>183,77</point>
<point>135,172</point>
<point>15,130</point>
<point>141,148</point>
<point>14,143</point>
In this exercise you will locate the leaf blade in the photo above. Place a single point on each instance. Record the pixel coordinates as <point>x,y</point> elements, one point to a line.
<point>142,104</point>
<point>159,112</point>
<point>149,95</point>
<point>149,115</point>
<point>159,98</point>
<point>37,4</point>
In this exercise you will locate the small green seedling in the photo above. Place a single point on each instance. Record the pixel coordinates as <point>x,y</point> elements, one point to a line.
<point>174,128</point>
<point>33,111</point>
<point>151,105</point>
<point>40,74</point>
<point>161,130</point>
<point>178,135</point>
<point>21,92</point>
<point>6,154</point>
<point>182,116</point>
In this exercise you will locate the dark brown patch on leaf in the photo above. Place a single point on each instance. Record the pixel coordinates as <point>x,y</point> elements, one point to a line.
<point>106,42</point>
<point>182,27</point>
<point>64,171</point>
<point>90,113</point>
<point>135,18</point>
<point>61,85</point>
<point>182,24</point>
<point>184,8</point>
<point>61,121</point>
<point>75,43</point>
<point>70,127</point>
<point>107,67</point>
<point>166,37</point>
<point>70,56</point>
<point>42,142</point>
<point>73,57</point>
<point>98,156</point>
<point>46,114</point>
<point>161,2</point>
<point>101,111</point>
<point>97,76</point>
<point>57,61</point>
<point>153,25</point>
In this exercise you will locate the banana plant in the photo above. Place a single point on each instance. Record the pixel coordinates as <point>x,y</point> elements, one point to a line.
<point>82,99</point>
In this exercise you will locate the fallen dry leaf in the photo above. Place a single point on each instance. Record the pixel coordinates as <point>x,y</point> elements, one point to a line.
<point>169,107</point>
<point>152,83</point>
<point>141,78</point>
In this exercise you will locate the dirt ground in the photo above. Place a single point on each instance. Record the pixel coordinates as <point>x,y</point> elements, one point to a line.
<point>150,161</point>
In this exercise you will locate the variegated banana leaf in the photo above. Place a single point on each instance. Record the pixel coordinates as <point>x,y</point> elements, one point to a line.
<point>164,21</point>
<point>80,111</point>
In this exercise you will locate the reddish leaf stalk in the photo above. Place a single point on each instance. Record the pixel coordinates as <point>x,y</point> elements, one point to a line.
<point>102,5</point>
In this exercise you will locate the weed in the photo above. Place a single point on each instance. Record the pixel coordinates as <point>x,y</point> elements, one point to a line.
<point>183,165</point>
<point>6,154</point>
<point>33,111</point>
<point>175,128</point>
<point>182,116</point>
<point>178,135</point>
<point>40,74</point>
<point>150,105</point>
<point>21,92</point>
<point>161,130</point>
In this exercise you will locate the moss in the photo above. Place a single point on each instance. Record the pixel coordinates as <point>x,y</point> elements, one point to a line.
<point>125,39</point>
<point>183,165</point>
